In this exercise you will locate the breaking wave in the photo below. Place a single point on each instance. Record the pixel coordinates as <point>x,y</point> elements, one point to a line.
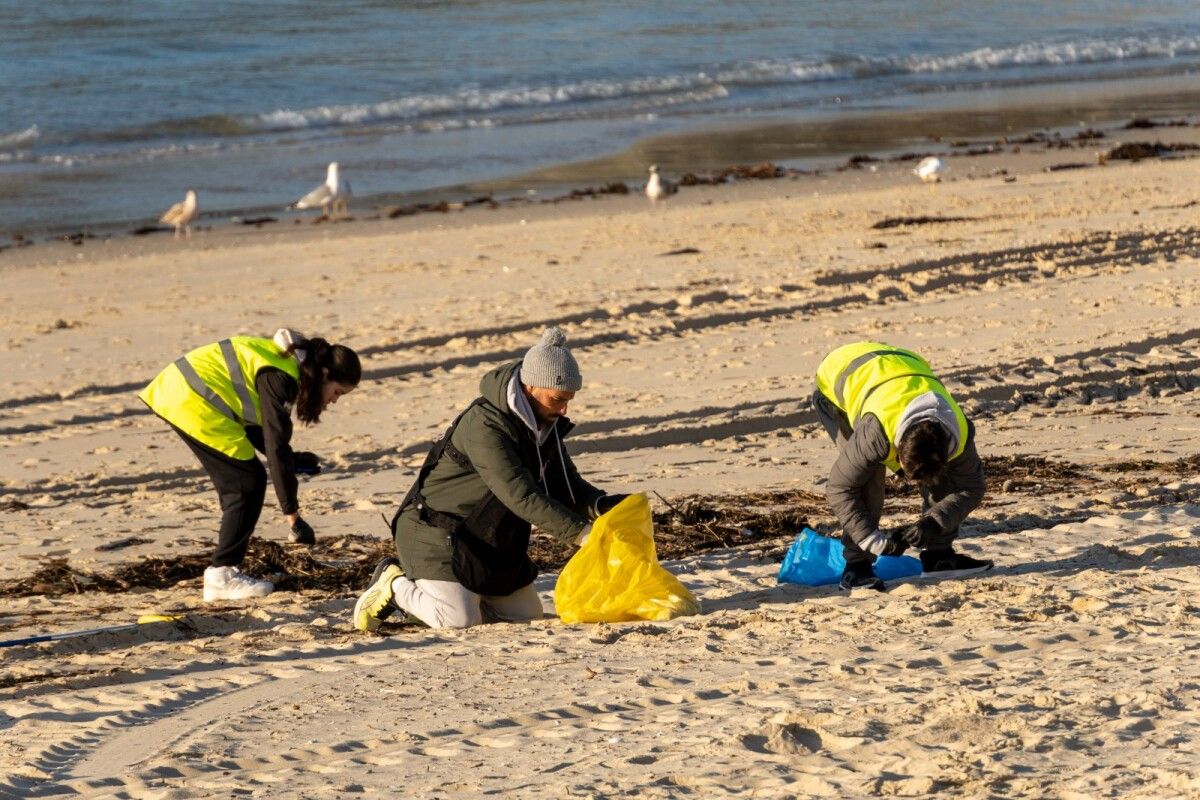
<point>473,106</point>
<point>666,90</point>
<point>18,139</point>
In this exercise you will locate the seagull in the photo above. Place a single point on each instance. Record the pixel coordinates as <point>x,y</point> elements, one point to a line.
<point>329,196</point>
<point>659,188</point>
<point>181,214</point>
<point>930,170</point>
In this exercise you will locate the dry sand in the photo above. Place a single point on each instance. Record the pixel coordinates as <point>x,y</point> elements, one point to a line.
<point>1063,315</point>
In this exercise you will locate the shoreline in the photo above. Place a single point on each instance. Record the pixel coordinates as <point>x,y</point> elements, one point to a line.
<point>1026,153</point>
<point>814,145</point>
<point>982,116</point>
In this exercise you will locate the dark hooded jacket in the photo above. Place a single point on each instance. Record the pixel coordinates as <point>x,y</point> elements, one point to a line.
<point>856,482</point>
<point>529,471</point>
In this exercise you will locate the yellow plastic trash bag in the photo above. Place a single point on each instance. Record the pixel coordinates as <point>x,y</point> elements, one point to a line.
<point>616,577</point>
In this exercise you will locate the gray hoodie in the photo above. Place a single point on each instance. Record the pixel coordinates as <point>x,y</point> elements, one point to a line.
<point>930,406</point>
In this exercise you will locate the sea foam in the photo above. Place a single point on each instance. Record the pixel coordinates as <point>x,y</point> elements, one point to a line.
<point>18,139</point>
<point>638,94</point>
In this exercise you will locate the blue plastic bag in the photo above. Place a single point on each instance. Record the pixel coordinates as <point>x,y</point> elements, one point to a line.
<point>816,560</point>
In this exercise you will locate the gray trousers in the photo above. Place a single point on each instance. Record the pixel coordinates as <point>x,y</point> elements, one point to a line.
<point>449,604</point>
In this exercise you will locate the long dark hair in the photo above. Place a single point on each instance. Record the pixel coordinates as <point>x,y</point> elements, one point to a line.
<point>322,362</point>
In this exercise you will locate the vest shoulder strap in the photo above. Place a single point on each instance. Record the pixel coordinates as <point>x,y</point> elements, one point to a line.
<point>442,446</point>
<point>457,456</point>
<point>244,416</point>
<point>839,383</point>
<point>863,403</point>
<point>239,381</point>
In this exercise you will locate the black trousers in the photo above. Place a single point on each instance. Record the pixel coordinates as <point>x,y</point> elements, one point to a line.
<point>241,487</point>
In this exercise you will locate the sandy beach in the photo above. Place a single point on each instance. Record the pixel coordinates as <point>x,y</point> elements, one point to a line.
<point>1059,305</point>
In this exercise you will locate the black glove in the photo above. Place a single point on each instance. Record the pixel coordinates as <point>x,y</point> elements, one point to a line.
<point>302,533</point>
<point>923,535</point>
<point>306,463</point>
<point>896,545</point>
<point>608,502</point>
<point>884,543</point>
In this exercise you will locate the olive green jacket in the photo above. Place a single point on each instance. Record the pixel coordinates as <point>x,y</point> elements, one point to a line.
<point>531,473</point>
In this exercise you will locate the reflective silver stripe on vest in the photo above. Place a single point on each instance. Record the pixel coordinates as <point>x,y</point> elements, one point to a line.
<point>203,389</point>
<point>839,385</point>
<point>239,382</point>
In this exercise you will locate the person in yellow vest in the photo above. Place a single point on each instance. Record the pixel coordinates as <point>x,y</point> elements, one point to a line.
<point>228,399</point>
<point>884,409</point>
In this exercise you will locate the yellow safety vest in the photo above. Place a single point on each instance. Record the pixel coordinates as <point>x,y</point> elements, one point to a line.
<point>210,395</point>
<point>878,379</point>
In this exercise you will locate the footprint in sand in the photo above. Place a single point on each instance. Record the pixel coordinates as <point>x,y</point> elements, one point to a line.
<point>801,734</point>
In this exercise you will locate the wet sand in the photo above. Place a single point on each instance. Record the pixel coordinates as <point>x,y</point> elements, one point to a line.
<point>822,140</point>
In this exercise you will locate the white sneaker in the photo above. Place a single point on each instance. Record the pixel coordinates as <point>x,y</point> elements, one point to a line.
<point>230,583</point>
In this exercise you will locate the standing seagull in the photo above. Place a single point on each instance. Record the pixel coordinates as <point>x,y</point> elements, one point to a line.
<point>181,214</point>
<point>329,196</point>
<point>658,187</point>
<point>930,170</point>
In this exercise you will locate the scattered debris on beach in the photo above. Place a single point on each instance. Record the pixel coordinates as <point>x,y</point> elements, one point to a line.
<point>683,526</point>
<point>121,544</point>
<point>616,187</point>
<point>1189,204</point>
<point>1136,151</point>
<point>77,238</point>
<point>351,559</point>
<point>765,170</point>
<point>146,230</point>
<point>856,161</point>
<point>439,207</point>
<point>897,222</point>
<point>59,325</point>
<point>1142,123</point>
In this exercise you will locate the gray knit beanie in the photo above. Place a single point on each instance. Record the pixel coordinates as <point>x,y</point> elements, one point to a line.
<point>550,365</point>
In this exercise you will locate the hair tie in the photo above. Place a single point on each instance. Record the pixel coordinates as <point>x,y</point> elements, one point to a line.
<point>288,341</point>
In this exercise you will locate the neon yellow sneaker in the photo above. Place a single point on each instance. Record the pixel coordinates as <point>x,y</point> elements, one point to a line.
<point>377,603</point>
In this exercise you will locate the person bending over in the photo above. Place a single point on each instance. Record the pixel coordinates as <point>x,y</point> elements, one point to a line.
<point>884,409</point>
<point>228,399</point>
<point>462,532</point>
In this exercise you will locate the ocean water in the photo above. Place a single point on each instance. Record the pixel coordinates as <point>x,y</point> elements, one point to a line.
<point>110,110</point>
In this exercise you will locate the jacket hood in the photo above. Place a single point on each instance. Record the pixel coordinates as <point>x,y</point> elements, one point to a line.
<point>930,406</point>
<point>493,386</point>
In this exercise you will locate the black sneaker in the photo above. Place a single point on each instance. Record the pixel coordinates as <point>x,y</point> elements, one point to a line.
<point>949,564</point>
<point>861,577</point>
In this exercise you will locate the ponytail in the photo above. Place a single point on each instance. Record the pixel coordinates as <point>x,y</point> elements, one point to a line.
<point>319,362</point>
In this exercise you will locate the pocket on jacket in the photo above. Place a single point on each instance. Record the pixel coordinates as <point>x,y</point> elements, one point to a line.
<point>424,551</point>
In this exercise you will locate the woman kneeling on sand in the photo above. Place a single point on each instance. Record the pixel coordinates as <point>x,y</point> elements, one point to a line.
<point>227,400</point>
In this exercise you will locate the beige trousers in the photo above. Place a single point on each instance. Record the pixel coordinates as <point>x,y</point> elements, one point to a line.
<point>449,604</point>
